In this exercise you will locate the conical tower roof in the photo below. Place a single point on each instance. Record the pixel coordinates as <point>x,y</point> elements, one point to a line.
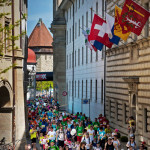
<point>40,36</point>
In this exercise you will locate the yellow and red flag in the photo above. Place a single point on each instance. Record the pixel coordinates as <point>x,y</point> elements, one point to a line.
<point>133,17</point>
<point>118,31</point>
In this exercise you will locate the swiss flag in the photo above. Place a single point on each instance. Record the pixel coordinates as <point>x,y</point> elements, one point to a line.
<point>133,17</point>
<point>98,31</point>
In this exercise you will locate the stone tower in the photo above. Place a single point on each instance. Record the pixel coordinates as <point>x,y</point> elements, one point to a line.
<point>40,41</point>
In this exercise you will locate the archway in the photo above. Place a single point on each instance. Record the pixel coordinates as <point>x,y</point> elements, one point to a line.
<point>4,96</point>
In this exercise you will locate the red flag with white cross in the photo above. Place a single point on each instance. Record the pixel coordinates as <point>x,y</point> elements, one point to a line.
<point>133,17</point>
<point>98,31</point>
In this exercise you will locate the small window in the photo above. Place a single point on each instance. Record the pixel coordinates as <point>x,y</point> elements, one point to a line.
<point>75,30</point>
<point>70,35</point>
<point>82,22</point>
<point>78,88</point>
<point>86,54</point>
<point>79,28</point>
<point>87,19</point>
<point>67,37</point>
<point>102,87</point>
<point>70,12</point>
<point>97,55</point>
<point>72,88</point>
<point>96,91</point>
<point>67,16</point>
<point>91,56</point>
<point>67,61</point>
<point>82,88</point>
<point>79,3</point>
<point>72,60</point>
<point>82,2</point>
<point>103,6</point>
<point>75,88</point>
<point>125,113</point>
<point>91,90</point>
<point>86,88</point>
<point>145,120</point>
<point>82,55</point>
<point>78,57</point>
<point>97,8</point>
<point>91,15</point>
<point>76,5</point>
<point>75,58</point>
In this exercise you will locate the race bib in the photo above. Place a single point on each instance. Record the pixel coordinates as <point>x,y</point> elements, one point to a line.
<point>43,126</point>
<point>80,134</point>
<point>91,134</point>
<point>104,123</point>
<point>52,136</point>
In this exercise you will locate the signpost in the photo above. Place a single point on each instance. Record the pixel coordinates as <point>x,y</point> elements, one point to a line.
<point>64,93</point>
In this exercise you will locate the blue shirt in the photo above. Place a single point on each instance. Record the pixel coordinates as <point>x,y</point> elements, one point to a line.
<point>44,125</point>
<point>102,133</point>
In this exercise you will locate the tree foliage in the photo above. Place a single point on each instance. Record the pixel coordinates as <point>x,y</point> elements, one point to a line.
<point>43,85</point>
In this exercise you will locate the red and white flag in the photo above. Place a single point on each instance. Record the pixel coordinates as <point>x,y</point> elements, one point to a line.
<point>133,17</point>
<point>99,31</point>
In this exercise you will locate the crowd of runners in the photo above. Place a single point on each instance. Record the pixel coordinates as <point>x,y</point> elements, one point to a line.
<point>56,130</point>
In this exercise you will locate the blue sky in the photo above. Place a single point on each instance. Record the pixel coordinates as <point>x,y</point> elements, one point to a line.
<point>39,9</point>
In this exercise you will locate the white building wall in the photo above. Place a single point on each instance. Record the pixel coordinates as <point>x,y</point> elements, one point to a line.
<point>92,70</point>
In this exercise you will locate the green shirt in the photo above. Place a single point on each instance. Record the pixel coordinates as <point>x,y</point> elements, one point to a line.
<point>53,148</point>
<point>82,118</point>
<point>79,131</point>
<point>64,123</point>
<point>96,125</point>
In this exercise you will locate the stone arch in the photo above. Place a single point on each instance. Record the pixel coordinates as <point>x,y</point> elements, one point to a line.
<point>6,94</point>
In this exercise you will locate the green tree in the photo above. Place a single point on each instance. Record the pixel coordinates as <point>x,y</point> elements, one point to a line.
<point>44,85</point>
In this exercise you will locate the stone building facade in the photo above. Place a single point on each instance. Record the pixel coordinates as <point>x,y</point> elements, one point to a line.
<point>12,108</point>
<point>40,41</point>
<point>83,70</point>
<point>128,81</point>
<point>58,28</point>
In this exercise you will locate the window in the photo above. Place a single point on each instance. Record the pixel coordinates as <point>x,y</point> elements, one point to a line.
<point>78,57</point>
<point>86,54</point>
<point>91,55</point>
<point>91,90</point>
<point>76,5</point>
<point>79,3</point>
<point>125,112</point>
<point>147,23</point>
<point>67,61</point>
<point>70,12</point>
<point>78,88</point>
<point>72,88</point>
<point>75,58</point>
<point>67,37</point>
<point>79,28</point>
<point>70,35</point>
<point>102,87</point>
<point>103,6</point>
<point>97,55</point>
<point>86,88</point>
<point>67,16</point>
<point>87,19</point>
<point>97,8</point>
<point>82,22</point>
<point>82,55</point>
<point>82,88</point>
<point>82,2</point>
<point>45,57</point>
<point>75,88</point>
<point>6,33</point>
<point>145,120</point>
<point>75,30</point>
<point>96,91</point>
<point>72,60</point>
<point>91,15</point>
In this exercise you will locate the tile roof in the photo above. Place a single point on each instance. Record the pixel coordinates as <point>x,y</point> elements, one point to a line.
<point>31,56</point>
<point>40,36</point>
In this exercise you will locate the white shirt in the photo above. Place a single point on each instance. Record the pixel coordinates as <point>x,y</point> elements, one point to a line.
<point>91,132</point>
<point>61,135</point>
<point>51,135</point>
<point>87,140</point>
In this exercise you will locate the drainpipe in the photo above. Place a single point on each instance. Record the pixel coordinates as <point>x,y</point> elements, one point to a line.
<point>13,77</point>
<point>73,61</point>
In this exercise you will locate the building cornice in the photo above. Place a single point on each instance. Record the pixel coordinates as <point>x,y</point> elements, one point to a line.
<point>139,44</point>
